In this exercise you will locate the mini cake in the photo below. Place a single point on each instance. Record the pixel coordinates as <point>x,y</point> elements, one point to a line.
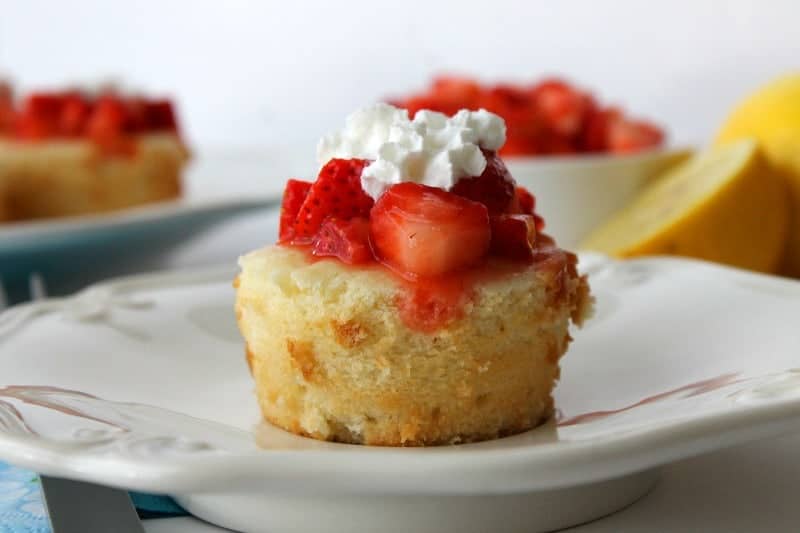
<point>411,299</point>
<point>70,153</point>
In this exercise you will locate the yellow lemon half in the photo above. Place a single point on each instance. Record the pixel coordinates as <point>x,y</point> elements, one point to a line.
<point>723,205</point>
<point>771,115</point>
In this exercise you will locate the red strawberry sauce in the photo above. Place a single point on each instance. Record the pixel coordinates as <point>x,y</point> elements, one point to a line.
<point>430,304</point>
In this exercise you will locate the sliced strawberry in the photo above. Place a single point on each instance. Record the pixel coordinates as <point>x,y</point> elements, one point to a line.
<point>160,116</point>
<point>40,115</point>
<point>74,115</point>
<point>525,200</point>
<point>293,197</point>
<point>594,137</point>
<point>494,188</point>
<point>135,115</point>
<point>519,145</point>
<point>337,193</point>
<point>107,119</point>
<point>422,231</point>
<point>513,236</point>
<point>562,106</point>
<point>346,239</point>
<point>525,204</point>
<point>627,136</point>
<point>45,105</point>
<point>453,93</point>
<point>106,126</point>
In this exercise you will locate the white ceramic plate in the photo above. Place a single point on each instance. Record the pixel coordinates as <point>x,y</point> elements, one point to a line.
<point>218,185</point>
<point>141,383</point>
<point>64,243</point>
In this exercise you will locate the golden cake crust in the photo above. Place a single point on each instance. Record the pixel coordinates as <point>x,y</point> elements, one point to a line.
<point>74,177</point>
<point>333,359</point>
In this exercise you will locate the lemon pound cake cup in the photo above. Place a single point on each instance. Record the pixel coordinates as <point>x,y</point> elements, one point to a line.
<point>336,353</point>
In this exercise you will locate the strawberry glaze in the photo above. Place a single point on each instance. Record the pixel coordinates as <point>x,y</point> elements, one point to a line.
<point>430,304</point>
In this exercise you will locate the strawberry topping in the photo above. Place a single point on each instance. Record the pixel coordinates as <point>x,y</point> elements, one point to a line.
<point>336,193</point>
<point>494,188</point>
<point>513,236</point>
<point>422,231</point>
<point>293,197</point>
<point>73,116</point>
<point>110,120</point>
<point>548,118</point>
<point>346,239</point>
<point>525,204</point>
<point>628,136</point>
<point>433,239</point>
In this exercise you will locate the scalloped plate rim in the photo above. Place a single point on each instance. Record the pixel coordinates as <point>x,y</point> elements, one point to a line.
<point>12,232</point>
<point>558,464</point>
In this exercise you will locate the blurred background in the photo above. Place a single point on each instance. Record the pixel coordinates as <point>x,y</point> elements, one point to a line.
<point>255,84</point>
<point>252,73</point>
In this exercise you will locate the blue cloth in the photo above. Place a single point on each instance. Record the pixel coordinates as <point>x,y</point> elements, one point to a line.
<point>22,508</point>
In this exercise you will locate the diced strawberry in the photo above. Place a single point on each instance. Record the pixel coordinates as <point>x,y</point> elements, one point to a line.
<point>525,204</point>
<point>337,193</point>
<point>494,188</point>
<point>136,119</point>
<point>45,105</point>
<point>513,236</point>
<point>347,240</point>
<point>555,144</point>
<point>551,117</point>
<point>594,137</point>
<point>40,116</point>
<point>562,106</point>
<point>627,136</point>
<point>519,145</point>
<point>526,201</point>
<point>160,116</point>
<point>422,231</point>
<point>106,126</point>
<point>74,115</point>
<point>454,93</point>
<point>293,197</point>
<point>107,118</point>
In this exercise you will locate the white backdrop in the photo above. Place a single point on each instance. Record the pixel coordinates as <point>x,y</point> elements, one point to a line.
<point>254,73</point>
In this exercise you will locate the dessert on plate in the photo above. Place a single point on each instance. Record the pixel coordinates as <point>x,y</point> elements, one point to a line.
<point>551,117</point>
<point>412,298</point>
<point>72,153</point>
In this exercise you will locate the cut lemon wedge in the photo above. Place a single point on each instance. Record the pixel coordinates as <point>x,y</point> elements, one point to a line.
<point>723,205</point>
<point>772,116</point>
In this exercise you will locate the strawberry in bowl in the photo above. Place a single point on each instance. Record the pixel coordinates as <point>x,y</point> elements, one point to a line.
<point>585,158</point>
<point>412,297</point>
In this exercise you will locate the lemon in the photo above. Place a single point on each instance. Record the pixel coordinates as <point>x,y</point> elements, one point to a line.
<point>723,205</point>
<point>771,115</point>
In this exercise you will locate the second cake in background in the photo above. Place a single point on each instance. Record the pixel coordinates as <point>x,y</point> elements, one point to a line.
<point>74,153</point>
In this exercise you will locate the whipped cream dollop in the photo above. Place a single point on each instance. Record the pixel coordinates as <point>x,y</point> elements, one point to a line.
<point>432,149</point>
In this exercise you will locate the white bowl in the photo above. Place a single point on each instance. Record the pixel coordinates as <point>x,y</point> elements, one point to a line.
<point>575,194</point>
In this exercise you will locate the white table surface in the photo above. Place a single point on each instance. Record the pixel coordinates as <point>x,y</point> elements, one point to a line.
<point>749,488</point>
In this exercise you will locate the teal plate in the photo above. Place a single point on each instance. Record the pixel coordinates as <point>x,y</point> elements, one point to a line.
<point>89,247</point>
